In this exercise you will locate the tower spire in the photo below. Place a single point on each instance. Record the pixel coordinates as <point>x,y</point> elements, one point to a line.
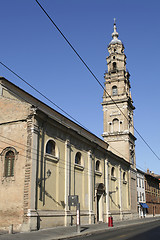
<point>115,33</point>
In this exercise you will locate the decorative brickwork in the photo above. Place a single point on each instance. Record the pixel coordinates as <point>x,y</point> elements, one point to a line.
<point>27,171</point>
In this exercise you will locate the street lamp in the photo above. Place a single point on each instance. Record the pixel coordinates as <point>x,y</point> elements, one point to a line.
<point>41,179</point>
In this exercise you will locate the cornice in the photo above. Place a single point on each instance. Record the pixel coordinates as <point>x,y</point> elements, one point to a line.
<point>122,100</point>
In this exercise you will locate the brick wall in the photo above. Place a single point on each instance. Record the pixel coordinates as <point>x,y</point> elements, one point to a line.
<point>13,134</point>
<point>152,194</point>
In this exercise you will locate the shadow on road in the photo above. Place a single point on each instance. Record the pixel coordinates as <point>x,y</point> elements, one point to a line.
<point>153,233</point>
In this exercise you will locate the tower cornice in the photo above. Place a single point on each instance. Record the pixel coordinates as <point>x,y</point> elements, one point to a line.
<point>118,134</point>
<point>117,101</point>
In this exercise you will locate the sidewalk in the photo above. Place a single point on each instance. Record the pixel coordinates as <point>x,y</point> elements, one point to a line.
<point>69,232</point>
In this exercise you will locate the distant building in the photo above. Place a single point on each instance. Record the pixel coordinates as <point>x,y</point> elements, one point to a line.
<point>141,198</point>
<point>152,189</point>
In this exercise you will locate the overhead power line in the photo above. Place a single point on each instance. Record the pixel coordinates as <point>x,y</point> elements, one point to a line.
<point>42,95</point>
<point>62,162</point>
<point>120,154</point>
<point>24,146</point>
<point>85,64</point>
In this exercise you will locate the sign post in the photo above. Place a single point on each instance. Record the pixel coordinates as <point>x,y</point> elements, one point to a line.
<point>78,218</point>
<point>73,201</point>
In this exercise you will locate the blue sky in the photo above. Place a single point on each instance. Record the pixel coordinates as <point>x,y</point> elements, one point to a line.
<point>32,47</point>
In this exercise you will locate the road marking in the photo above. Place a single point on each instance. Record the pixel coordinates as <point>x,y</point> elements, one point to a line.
<point>122,236</point>
<point>119,237</point>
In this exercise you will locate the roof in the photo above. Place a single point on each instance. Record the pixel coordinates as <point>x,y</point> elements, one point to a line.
<point>114,41</point>
<point>140,171</point>
<point>115,34</point>
<point>152,176</point>
<point>50,111</point>
<point>53,114</point>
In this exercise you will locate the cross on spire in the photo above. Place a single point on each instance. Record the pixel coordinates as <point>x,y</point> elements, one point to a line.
<point>115,33</point>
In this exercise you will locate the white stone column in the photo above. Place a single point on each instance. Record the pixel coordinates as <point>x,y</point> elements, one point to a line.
<point>120,191</point>
<point>129,190</point>
<point>90,186</point>
<point>107,189</point>
<point>67,176</point>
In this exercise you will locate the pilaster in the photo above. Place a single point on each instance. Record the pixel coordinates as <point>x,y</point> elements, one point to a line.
<point>30,188</point>
<point>120,191</point>
<point>34,155</point>
<point>90,186</point>
<point>107,189</point>
<point>67,176</point>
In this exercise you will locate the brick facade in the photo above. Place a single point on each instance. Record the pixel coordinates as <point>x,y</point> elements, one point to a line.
<point>152,193</point>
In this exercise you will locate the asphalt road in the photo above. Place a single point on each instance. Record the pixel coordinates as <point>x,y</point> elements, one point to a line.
<point>146,231</point>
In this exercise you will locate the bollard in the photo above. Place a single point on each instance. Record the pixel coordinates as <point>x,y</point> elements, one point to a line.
<point>110,221</point>
<point>11,229</point>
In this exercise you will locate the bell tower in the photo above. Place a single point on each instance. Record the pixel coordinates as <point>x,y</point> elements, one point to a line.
<point>117,103</point>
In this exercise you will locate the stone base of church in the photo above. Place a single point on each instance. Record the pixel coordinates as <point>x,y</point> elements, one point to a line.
<point>123,216</point>
<point>43,219</point>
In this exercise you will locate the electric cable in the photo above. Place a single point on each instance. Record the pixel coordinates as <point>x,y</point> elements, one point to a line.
<point>86,171</point>
<point>42,95</point>
<point>40,153</point>
<point>85,64</point>
<point>120,154</point>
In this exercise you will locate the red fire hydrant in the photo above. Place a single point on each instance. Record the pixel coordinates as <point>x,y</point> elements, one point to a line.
<point>110,221</point>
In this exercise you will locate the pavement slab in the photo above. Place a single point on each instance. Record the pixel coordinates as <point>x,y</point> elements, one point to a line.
<point>70,232</point>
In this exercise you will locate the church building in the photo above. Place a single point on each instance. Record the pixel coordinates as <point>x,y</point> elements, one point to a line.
<point>45,158</point>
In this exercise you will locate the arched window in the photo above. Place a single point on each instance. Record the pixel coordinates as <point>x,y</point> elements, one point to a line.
<point>78,158</point>
<point>112,172</point>
<point>50,147</point>
<point>115,125</point>
<point>114,91</point>
<point>114,65</point>
<point>124,176</point>
<point>9,164</point>
<point>98,165</point>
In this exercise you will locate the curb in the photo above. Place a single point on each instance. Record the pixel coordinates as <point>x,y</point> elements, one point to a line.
<point>70,236</point>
